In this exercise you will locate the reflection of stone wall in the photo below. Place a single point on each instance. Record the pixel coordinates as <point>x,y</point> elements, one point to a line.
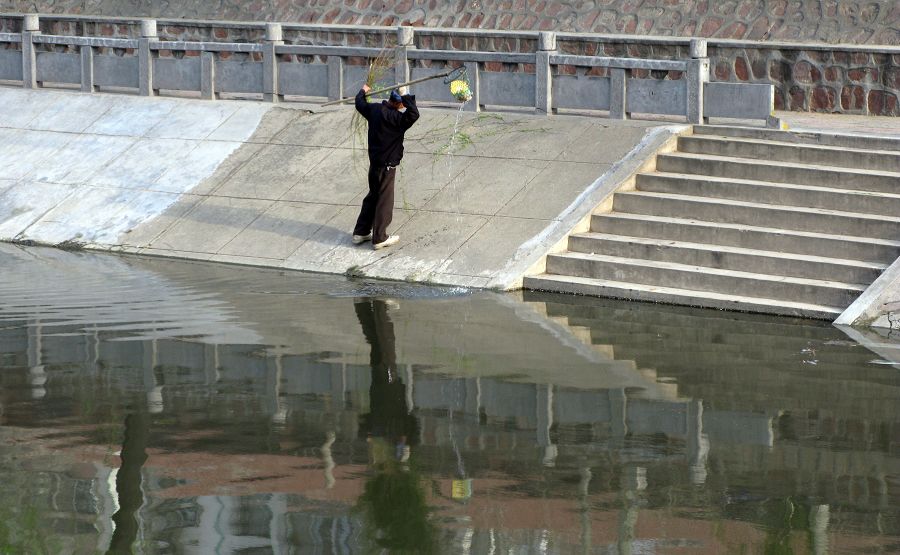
<point>848,80</point>
<point>860,22</point>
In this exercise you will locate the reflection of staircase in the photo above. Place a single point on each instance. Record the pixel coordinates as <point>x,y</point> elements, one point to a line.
<point>746,219</point>
<point>744,365</point>
<point>645,382</point>
<point>780,397</point>
<point>739,362</point>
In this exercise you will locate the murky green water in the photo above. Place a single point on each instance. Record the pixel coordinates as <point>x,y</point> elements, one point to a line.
<point>167,407</point>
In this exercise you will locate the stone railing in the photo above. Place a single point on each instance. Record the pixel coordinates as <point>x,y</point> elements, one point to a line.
<point>265,66</point>
<point>807,76</point>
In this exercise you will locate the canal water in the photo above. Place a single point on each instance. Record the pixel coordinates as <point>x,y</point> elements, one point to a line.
<point>158,406</point>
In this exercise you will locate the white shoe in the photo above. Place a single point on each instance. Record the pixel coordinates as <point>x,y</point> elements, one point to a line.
<point>387,242</point>
<point>360,239</point>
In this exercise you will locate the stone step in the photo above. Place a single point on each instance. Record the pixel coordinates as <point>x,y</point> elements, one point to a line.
<point>844,140</point>
<point>684,320</point>
<point>760,215</point>
<point>819,155</point>
<point>740,235</point>
<point>667,358</point>
<point>656,318</point>
<point>808,196</point>
<point>703,280</point>
<point>761,347</point>
<point>674,319</point>
<point>728,258</point>
<point>779,172</point>
<point>731,366</point>
<point>674,295</point>
<point>735,363</point>
<point>709,341</point>
<point>708,337</point>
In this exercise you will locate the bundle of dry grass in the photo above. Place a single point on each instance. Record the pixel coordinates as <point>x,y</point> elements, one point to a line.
<point>379,68</point>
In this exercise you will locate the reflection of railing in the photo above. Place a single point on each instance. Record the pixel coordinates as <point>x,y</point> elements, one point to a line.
<point>209,70</point>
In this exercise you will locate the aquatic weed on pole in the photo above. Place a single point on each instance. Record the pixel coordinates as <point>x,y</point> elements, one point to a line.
<point>458,80</point>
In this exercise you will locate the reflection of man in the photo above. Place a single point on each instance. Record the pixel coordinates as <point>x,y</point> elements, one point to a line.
<point>393,499</point>
<point>389,416</point>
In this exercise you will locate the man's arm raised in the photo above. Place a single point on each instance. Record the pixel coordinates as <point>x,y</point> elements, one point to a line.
<point>412,112</point>
<point>362,105</point>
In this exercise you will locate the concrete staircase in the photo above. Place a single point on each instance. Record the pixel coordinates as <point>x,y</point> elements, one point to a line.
<point>745,219</point>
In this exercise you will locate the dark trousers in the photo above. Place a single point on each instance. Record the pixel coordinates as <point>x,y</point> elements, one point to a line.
<point>378,207</point>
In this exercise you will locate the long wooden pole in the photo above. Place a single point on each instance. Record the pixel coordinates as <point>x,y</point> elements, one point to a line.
<point>392,87</point>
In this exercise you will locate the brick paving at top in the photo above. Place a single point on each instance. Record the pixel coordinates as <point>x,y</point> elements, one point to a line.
<point>831,21</point>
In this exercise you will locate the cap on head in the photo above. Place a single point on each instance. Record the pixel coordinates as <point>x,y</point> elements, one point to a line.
<point>395,96</point>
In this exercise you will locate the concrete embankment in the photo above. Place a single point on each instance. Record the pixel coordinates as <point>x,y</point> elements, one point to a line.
<point>257,184</point>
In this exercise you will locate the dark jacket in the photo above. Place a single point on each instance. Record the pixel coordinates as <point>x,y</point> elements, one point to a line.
<point>386,128</point>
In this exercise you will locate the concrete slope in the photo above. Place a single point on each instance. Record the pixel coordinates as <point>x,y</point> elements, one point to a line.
<point>745,219</point>
<point>280,186</point>
<point>88,169</point>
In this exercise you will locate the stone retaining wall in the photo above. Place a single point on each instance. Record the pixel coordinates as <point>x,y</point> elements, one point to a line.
<point>860,79</point>
<point>817,78</point>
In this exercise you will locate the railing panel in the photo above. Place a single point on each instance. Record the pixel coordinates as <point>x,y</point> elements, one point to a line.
<point>58,67</point>
<point>205,46</point>
<point>434,90</point>
<point>738,100</point>
<point>308,50</point>
<point>652,96</point>
<point>303,79</point>
<point>116,71</point>
<point>239,77</point>
<point>10,65</point>
<point>176,75</point>
<point>85,41</point>
<point>463,56</point>
<point>583,92</point>
<point>627,63</point>
<point>507,89</point>
<point>355,76</point>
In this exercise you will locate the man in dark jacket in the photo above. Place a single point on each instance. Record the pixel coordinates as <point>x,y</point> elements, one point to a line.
<point>387,125</point>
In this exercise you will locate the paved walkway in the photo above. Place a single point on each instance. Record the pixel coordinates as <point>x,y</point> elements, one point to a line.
<point>838,123</point>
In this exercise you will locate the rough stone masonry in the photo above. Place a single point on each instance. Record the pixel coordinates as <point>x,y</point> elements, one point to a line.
<point>830,21</point>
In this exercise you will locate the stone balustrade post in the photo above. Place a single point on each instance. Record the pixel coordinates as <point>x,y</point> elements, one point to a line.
<point>145,58</point>
<point>543,73</point>
<point>87,68</point>
<point>405,43</point>
<point>696,77</point>
<point>30,28</point>
<point>208,76</point>
<point>335,78</point>
<point>474,76</point>
<point>274,37</point>
<point>618,95</point>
